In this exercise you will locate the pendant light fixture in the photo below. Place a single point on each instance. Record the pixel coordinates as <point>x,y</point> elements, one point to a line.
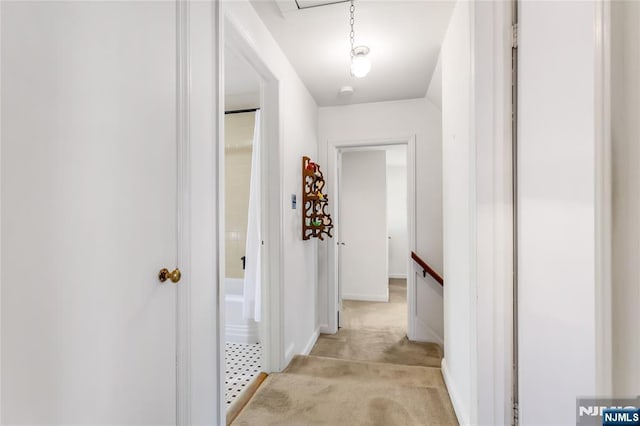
<point>360,62</point>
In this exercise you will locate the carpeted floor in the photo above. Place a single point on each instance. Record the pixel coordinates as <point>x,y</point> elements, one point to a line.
<point>375,331</point>
<point>325,391</point>
<point>368,373</point>
<point>390,315</point>
<point>377,346</point>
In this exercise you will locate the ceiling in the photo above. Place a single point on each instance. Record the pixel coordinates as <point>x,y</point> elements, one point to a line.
<point>404,38</point>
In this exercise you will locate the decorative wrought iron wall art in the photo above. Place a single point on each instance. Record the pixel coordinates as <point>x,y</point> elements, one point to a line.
<point>316,221</point>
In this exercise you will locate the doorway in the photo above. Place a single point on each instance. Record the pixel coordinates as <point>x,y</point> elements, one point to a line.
<point>396,250</point>
<point>373,250</point>
<point>246,103</point>
<point>242,237</point>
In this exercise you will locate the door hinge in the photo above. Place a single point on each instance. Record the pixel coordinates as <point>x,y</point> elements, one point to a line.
<point>514,36</point>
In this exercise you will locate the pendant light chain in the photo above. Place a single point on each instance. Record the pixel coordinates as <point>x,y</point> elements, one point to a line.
<point>352,9</point>
<point>360,62</point>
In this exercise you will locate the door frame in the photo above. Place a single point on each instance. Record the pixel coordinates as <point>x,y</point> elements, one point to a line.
<point>184,171</point>
<point>233,35</point>
<point>335,149</point>
<point>604,202</point>
<point>492,308</point>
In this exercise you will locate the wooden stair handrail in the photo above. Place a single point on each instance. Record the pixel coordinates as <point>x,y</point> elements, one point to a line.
<point>427,269</point>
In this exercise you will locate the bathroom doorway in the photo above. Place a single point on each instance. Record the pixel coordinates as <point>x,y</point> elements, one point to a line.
<point>242,240</point>
<point>250,328</point>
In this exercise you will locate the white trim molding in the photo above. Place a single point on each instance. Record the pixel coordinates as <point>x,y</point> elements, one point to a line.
<point>0,223</point>
<point>603,197</point>
<point>183,216</point>
<point>453,393</point>
<point>205,356</point>
<point>289,353</point>
<point>492,307</point>
<point>366,297</point>
<point>311,342</point>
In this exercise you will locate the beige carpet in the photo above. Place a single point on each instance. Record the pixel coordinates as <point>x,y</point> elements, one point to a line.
<point>377,346</point>
<point>324,391</point>
<point>377,331</point>
<point>368,373</point>
<point>390,315</point>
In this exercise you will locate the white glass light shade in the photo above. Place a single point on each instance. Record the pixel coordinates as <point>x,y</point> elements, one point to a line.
<point>360,65</point>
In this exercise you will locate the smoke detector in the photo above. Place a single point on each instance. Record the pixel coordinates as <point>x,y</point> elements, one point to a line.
<point>345,91</point>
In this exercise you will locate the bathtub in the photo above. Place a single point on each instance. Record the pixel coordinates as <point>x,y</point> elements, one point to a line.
<point>237,329</point>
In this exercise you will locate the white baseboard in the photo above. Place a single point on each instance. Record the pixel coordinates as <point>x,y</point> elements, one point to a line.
<point>312,341</point>
<point>288,355</point>
<point>453,393</point>
<point>398,276</point>
<point>324,329</point>
<point>367,297</point>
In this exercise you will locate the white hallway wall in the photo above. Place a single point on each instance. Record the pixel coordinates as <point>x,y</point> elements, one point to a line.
<point>458,158</point>
<point>384,120</point>
<point>299,136</point>
<point>625,68</point>
<point>557,205</point>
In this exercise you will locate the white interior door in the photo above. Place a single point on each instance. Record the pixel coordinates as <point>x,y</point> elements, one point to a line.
<point>88,212</point>
<point>363,262</point>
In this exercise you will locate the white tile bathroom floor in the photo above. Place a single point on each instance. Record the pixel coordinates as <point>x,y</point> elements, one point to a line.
<point>243,362</point>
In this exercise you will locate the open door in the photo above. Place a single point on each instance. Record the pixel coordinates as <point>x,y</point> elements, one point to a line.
<point>363,259</point>
<point>88,212</point>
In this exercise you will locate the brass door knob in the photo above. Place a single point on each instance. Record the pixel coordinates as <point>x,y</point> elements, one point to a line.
<point>165,274</point>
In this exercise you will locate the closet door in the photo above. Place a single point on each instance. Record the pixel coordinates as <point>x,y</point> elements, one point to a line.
<point>88,212</point>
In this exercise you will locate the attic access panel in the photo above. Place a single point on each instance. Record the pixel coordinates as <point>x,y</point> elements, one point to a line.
<point>307,4</point>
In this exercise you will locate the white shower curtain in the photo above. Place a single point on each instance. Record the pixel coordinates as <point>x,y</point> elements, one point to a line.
<point>253,271</point>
